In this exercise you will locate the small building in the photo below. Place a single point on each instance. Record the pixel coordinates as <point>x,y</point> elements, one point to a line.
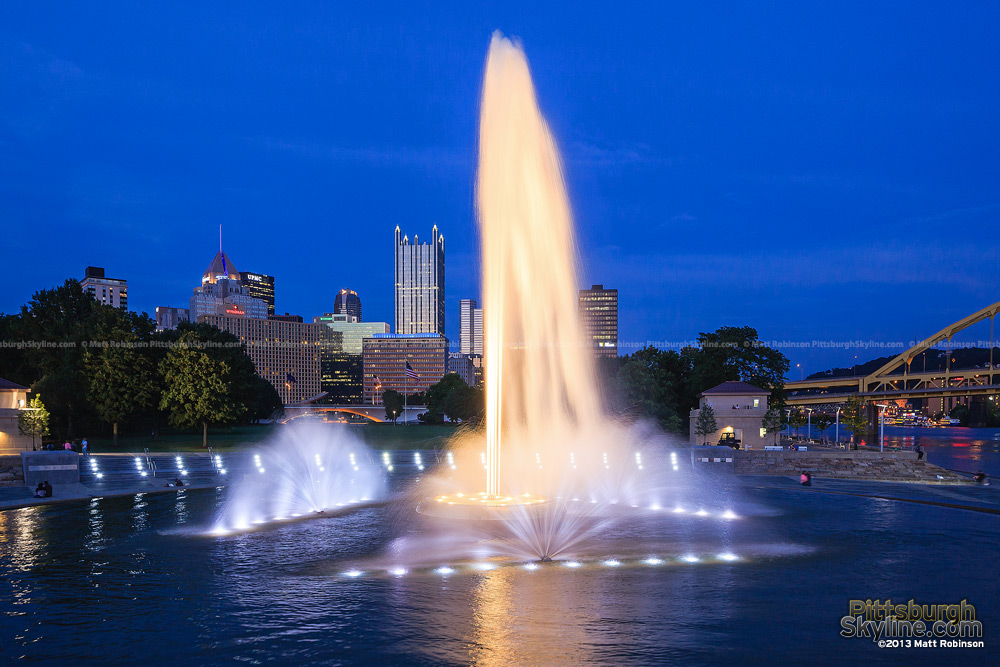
<point>739,410</point>
<point>13,399</point>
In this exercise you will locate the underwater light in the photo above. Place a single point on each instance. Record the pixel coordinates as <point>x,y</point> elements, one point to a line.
<point>573,563</point>
<point>727,556</point>
<point>397,572</point>
<point>353,574</point>
<point>690,559</point>
<point>653,561</point>
<point>612,562</point>
<point>531,566</point>
<point>701,513</point>
<point>444,570</point>
<point>728,514</point>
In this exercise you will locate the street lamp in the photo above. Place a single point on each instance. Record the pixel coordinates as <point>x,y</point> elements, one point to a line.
<point>837,432</point>
<point>802,373</point>
<point>881,426</point>
<point>809,423</point>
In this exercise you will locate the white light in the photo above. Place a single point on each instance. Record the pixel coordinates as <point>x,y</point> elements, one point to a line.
<point>143,474</point>
<point>444,570</point>
<point>184,473</point>
<point>612,562</point>
<point>728,514</point>
<point>655,508</point>
<point>397,572</point>
<point>223,471</point>
<point>701,513</point>
<point>678,510</point>
<point>353,573</point>
<point>728,556</point>
<point>484,567</point>
<point>530,566</point>
<point>572,563</point>
<point>138,461</point>
<point>261,470</point>
<point>690,559</point>
<point>653,561</point>
<point>100,475</point>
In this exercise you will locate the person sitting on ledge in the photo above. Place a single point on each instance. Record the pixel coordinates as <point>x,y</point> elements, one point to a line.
<point>980,478</point>
<point>178,482</point>
<point>48,489</point>
<point>40,490</point>
<point>805,479</point>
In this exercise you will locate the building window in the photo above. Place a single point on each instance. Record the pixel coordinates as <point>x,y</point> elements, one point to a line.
<point>756,402</point>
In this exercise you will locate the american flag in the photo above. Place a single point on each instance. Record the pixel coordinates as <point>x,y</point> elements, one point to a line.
<point>410,373</point>
<point>378,382</point>
<point>289,380</point>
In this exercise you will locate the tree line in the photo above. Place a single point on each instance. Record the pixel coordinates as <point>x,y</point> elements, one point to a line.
<point>95,366</point>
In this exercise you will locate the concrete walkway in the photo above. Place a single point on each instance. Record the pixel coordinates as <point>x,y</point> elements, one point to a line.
<point>13,497</point>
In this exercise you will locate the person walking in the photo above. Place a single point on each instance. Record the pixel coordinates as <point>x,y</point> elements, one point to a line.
<point>83,447</point>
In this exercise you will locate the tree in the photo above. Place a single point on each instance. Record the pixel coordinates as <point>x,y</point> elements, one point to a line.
<point>122,383</point>
<point>652,383</point>
<point>34,421</point>
<point>772,422</point>
<point>822,421</point>
<point>453,398</point>
<point>393,402</point>
<point>197,389</point>
<point>797,420</point>
<point>855,417</point>
<point>705,425</point>
<point>736,353</point>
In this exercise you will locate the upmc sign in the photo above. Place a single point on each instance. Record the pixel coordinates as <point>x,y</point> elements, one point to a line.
<point>254,277</point>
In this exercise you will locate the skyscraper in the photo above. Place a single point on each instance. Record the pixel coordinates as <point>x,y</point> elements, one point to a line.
<point>599,318</point>
<point>470,335</point>
<point>348,303</point>
<point>340,341</point>
<point>109,291</point>
<point>259,286</point>
<point>419,284</point>
<point>222,293</point>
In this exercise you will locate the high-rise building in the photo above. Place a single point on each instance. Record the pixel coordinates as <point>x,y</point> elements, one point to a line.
<point>109,291</point>
<point>348,303</point>
<point>259,286</point>
<point>168,317</point>
<point>386,357</point>
<point>464,366</point>
<point>341,363</point>
<point>286,354</point>
<point>599,318</point>
<point>222,293</point>
<point>470,338</point>
<point>419,280</point>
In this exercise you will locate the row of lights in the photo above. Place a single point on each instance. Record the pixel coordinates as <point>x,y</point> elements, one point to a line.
<point>445,570</point>
<point>94,469</point>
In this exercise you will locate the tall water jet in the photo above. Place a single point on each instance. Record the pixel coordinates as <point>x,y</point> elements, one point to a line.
<point>539,379</point>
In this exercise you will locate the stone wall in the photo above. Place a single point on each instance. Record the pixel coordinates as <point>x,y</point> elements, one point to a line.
<point>874,466</point>
<point>11,471</point>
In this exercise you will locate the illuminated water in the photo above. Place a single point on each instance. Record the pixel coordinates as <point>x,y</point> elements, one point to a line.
<point>117,580</point>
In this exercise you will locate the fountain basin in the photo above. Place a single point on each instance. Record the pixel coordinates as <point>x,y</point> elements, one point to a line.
<point>480,506</point>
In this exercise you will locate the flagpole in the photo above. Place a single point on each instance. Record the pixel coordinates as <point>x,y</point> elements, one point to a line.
<point>406,387</point>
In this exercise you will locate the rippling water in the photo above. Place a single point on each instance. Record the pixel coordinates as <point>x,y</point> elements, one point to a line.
<point>131,579</point>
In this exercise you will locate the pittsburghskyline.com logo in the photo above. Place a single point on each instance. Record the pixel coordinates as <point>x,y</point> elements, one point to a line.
<point>912,624</point>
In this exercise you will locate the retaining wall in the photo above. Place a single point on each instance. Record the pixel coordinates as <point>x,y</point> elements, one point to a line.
<point>875,466</point>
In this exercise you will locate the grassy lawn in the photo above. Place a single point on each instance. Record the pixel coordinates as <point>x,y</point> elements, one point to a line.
<point>377,436</point>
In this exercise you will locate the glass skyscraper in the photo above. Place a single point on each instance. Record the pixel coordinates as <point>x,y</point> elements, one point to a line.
<point>599,318</point>
<point>259,286</point>
<point>470,332</point>
<point>419,284</point>
<point>348,303</point>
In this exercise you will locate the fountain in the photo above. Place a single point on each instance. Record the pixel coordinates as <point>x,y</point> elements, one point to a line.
<point>308,469</point>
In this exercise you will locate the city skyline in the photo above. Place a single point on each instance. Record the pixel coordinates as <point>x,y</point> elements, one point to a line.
<point>800,185</point>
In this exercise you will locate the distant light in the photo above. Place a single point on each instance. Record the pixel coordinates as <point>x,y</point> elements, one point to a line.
<point>701,513</point>
<point>573,563</point>
<point>612,562</point>
<point>655,507</point>
<point>397,572</point>
<point>653,561</point>
<point>729,514</point>
<point>690,559</point>
<point>353,573</point>
<point>444,570</point>
<point>679,510</point>
<point>728,556</point>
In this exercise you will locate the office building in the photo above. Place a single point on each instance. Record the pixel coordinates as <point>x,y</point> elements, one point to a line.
<point>419,284</point>
<point>222,293</point>
<point>109,291</point>
<point>465,366</point>
<point>341,363</point>
<point>386,357</point>
<point>286,318</point>
<point>286,354</point>
<point>470,338</point>
<point>348,303</point>
<point>259,286</point>
<point>599,319</point>
<point>168,317</point>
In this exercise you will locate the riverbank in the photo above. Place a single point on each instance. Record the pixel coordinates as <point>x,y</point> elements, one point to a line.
<point>902,466</point>
<point>16,497</point>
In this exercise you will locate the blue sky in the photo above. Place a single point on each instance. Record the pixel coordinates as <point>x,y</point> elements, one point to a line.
<point>819,173</point>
